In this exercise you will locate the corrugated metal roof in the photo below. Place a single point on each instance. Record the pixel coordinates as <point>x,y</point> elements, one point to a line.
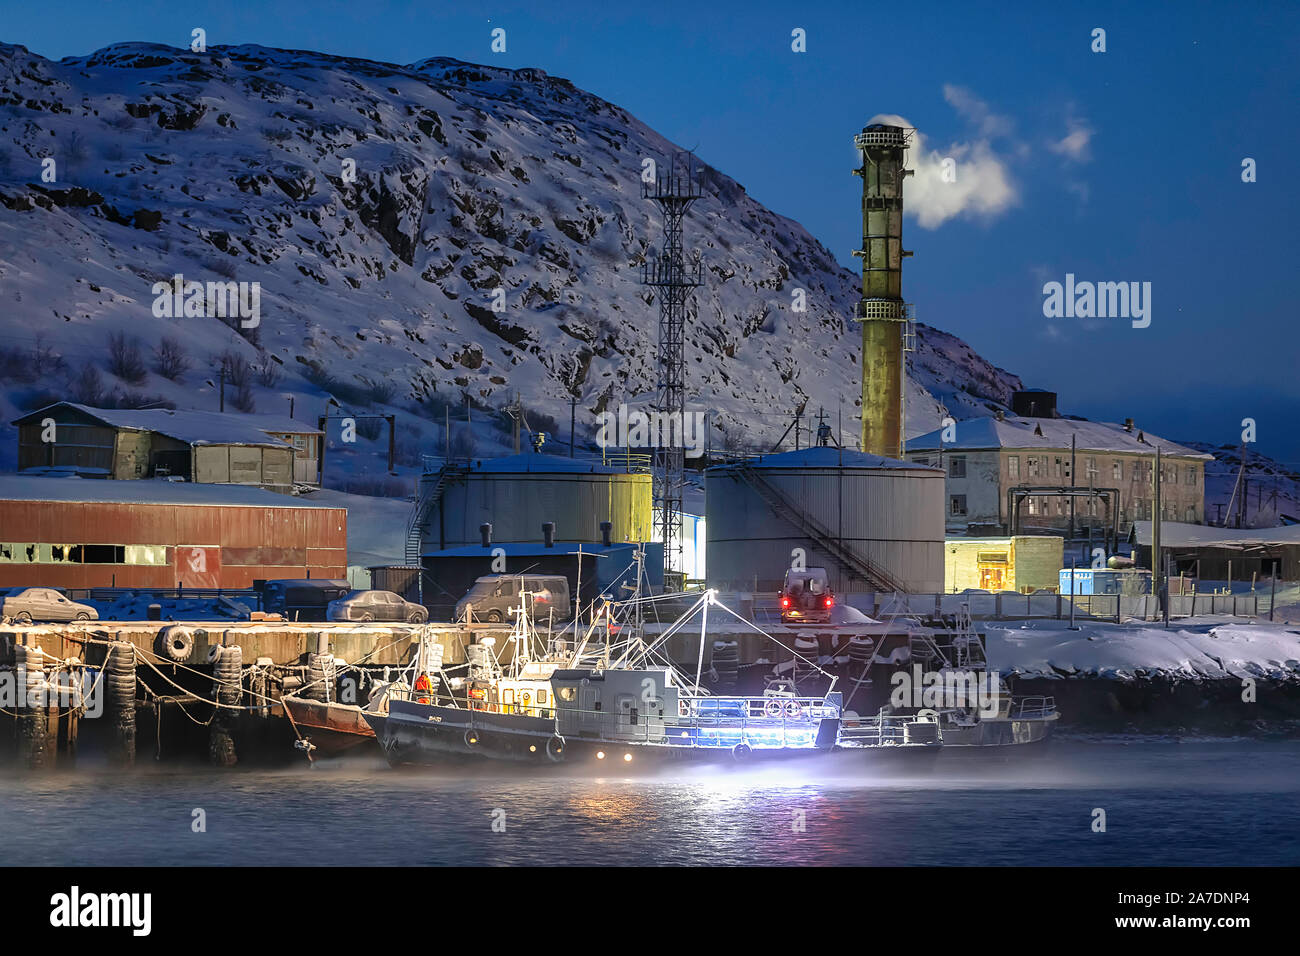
<point>825,456</point>
<point>1016,432</point>
<point>191,427</point>
<point>142,491</point>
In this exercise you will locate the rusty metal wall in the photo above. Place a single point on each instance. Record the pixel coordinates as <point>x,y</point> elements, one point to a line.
<point>270,543</point>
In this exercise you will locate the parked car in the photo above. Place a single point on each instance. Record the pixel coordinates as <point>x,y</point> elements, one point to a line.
<point>43,604</point>
<point>375,606</point>
<point>303,599</point>
<point>493,595</point>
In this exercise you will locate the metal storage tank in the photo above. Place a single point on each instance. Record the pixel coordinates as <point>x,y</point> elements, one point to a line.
<point>874,523</point>
<point>518,493</point>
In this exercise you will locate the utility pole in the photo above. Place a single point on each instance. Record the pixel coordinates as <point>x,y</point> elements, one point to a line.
<point>573,418</point>
<point>1157,568</point>
<point>221,377</point>
<point>1074,438</point>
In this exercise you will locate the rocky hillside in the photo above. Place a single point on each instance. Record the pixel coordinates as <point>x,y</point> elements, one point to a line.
<point>422,235</point>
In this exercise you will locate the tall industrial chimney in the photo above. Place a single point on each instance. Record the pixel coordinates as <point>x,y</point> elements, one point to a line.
<point>882,312</point>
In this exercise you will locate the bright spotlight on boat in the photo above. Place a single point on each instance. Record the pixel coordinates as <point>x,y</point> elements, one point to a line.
<point>627,757</point>
<point>532,748</point>
<point>600,755</point>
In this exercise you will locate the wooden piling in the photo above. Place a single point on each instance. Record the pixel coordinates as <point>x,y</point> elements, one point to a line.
<point>119,687</point>
<point>227,691</point>
<point>33,709</point>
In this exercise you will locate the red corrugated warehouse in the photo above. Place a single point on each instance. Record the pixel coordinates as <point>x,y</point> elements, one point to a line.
<point>79,533</point>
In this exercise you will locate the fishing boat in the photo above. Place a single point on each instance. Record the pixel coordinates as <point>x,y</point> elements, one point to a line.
<point>598,696</point>
<point>964,702</point>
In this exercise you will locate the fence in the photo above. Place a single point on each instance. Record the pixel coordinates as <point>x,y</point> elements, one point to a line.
<point>1106,607</point>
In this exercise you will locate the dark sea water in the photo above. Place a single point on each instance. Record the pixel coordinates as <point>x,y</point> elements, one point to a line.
<point>1204,802</point>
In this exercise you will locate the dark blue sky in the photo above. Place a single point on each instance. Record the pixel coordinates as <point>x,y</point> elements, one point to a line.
<point>1147,189</point>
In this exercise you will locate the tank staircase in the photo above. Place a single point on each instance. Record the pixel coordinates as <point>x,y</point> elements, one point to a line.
<point>848,561</point>
<point>424,503</point>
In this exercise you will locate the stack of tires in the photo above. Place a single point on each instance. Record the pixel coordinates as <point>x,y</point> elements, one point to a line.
<point>322,673</point>
<point>726,663</point>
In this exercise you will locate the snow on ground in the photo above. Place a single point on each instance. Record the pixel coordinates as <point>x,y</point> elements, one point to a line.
<point>1192,649</point>
<point>376,526</point>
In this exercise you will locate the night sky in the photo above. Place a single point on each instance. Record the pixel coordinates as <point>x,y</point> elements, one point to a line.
<point>1122,166</point>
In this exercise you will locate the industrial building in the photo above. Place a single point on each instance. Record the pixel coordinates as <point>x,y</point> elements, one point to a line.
<point>874,523</point>
<point>265,451</point>
<point>1024,563</point>
<point>1222,554</point>
<point>592,570</point>
<point>517,494</point>
<point>1008,473</point>
<point>77,533</point>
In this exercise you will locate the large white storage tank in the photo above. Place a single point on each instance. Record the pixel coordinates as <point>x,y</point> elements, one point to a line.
<point>874,512</point>
<point>518,493</point>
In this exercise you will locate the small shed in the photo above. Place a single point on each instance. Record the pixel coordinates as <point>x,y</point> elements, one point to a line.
<point>1022,563</point>
<point>265,451</point>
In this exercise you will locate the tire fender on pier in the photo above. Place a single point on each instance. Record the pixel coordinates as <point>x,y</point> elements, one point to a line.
<point>555,749</point>
<point>176,643</point>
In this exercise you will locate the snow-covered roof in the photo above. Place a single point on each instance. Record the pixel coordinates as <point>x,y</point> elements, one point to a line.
<point>142,491</point>
<point>527,549</point>
<point>1050,433</point>
<point>826,456</point>
<point>193,428</point>
<point>1176,534</point>
<point>532,463</point>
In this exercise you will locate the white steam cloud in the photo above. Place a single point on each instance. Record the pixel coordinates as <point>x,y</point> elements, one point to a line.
<point>968,179</point>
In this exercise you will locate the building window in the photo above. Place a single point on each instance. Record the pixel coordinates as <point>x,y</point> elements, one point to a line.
<point>1033,505</point>
<point>957,466</point>
<point>1191,474</point>
<point>1013,467</point>
<point>1092,469</point>
<point>1191,515</point>
<point>1117,470</point>
<point>1031,466</point>
<point>155,555</point>
<point>1057,472</point>
<point>957,504</point>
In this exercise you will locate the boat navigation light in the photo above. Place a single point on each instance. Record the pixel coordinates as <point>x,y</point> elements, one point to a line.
<point>532,748</point>
<point>600,755</point>
<point>627,757</point>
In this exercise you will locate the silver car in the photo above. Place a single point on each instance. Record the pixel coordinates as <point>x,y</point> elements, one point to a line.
<point>375,606</point>
<point>25,605</point>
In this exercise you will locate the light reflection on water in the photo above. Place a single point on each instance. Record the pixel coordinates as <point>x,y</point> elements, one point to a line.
<point>1167,803</point>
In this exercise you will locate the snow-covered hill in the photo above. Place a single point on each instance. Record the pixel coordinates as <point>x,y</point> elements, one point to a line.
<point>378,289</point>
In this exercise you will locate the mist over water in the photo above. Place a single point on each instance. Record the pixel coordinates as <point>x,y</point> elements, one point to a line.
<point>1205,802</point>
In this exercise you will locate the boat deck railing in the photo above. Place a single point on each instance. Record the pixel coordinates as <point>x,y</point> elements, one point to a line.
<point>878,730</point>
<point>1032,708</point>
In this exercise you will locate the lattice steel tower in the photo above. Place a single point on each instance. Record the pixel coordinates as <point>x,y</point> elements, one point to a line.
<point>676,279</point>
